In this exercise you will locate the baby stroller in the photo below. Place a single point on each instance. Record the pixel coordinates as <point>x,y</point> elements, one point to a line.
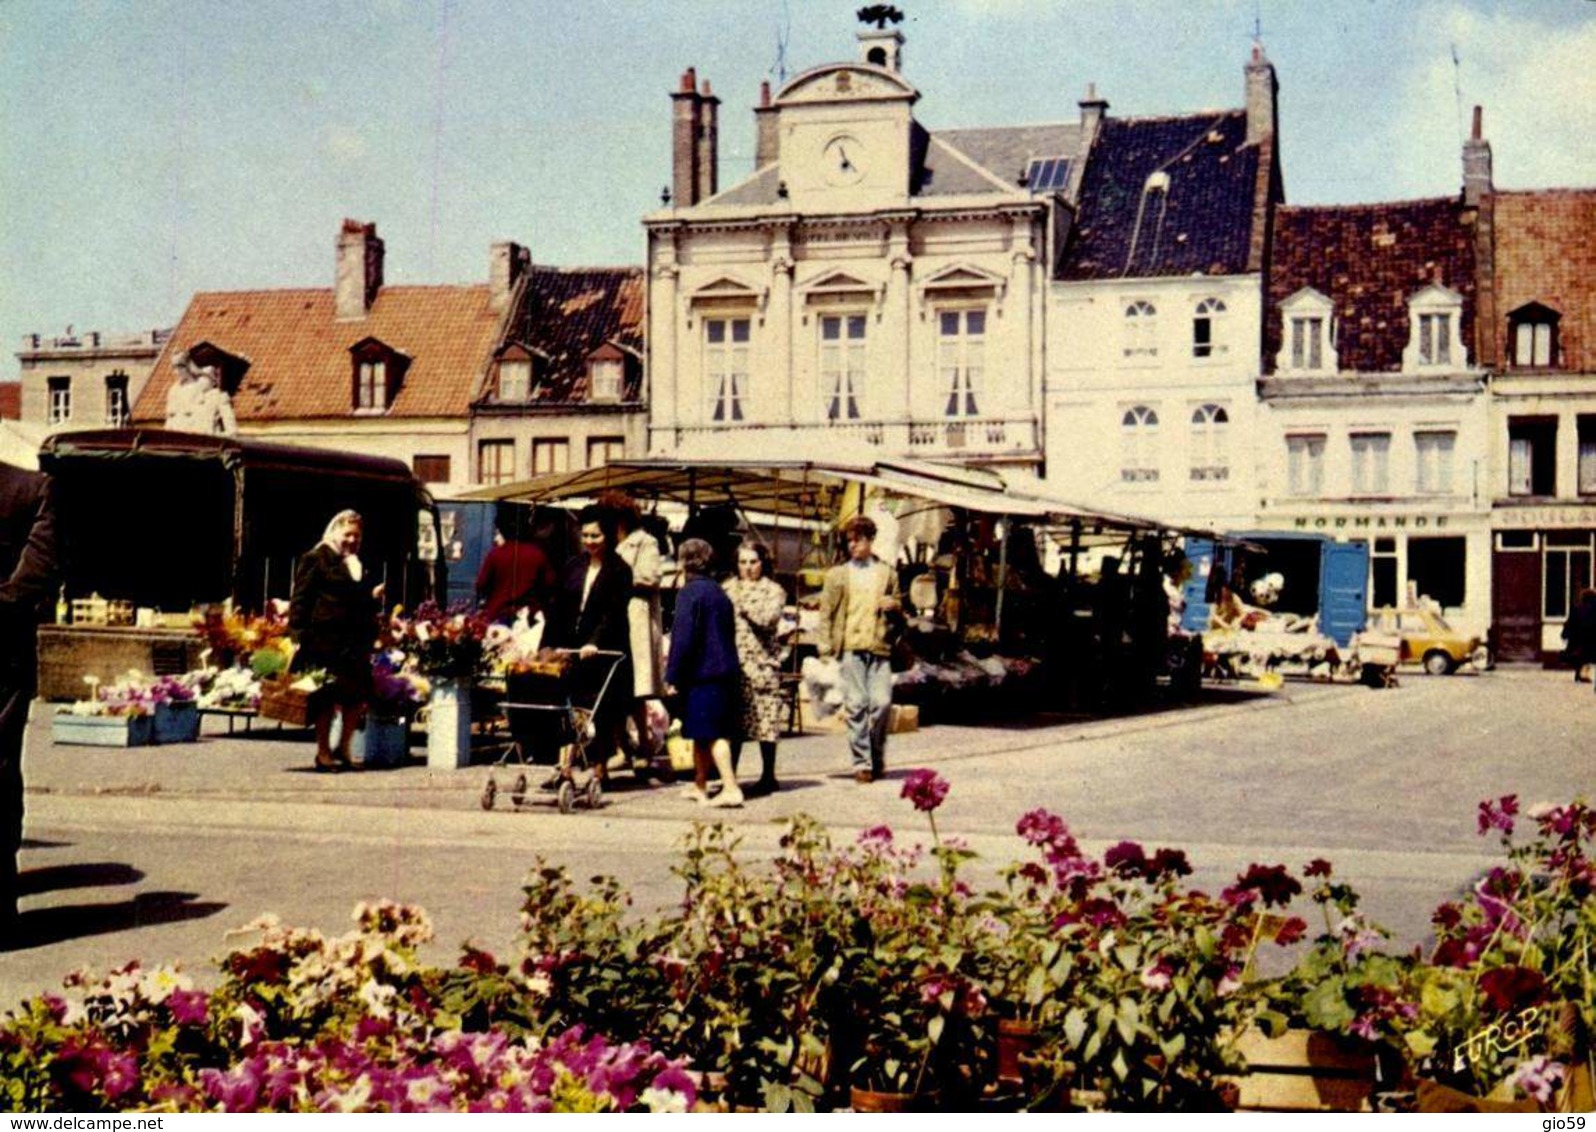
<point>552,708</point>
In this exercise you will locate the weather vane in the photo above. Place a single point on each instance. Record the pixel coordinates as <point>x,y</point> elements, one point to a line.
<point>880,14</point>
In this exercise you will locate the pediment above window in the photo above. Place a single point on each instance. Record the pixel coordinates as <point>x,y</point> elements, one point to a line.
<point>1435,331</point>
<point>961,281</point>
<point>726,295</point>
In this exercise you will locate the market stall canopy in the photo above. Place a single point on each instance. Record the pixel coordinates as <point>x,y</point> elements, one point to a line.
<point>19,444</point>
<point>815,486</point>
<point>169,519</point>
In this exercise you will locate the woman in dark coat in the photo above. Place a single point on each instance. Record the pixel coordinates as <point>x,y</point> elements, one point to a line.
<point>333,615</point>
<point>704,671</point>
<point>590,616</point>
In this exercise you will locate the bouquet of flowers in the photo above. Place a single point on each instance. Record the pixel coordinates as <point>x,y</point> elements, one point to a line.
<point>396,692</point>
<point>440,644</point>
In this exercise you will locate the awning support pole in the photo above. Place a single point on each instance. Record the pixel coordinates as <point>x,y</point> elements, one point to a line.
<point>1002,578</point>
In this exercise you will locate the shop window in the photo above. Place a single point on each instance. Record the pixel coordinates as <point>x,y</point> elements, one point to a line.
<point>1139,445</point>
<point>495,461</point>
<point>1567,565</point>
<point>1532,456</point>
<point>1206,340</point>
<point>551,455</point>
<point>1305,464</point>
<point>1532,336</point>
<point>726,366</point>
<point>1210,444</point>
<point>1141,329</point>
<point>1371,463</point>
<point>602,449</point>
<point>430,469</point>
<point>1433,462</point>
<point>1587,455</point>
<point>1383,573</point>
<point>1437,568</point>
<point>117,410</point>
<point>60,399</point>
<point>842,364</point>
<point>961,359</point>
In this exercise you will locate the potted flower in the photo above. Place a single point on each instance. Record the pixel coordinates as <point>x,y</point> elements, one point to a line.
<point>118,718</point>
<point>384,739</point>
<point>176,717</point>
<point>447,648</point>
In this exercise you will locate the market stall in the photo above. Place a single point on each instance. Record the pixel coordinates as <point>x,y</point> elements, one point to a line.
<point>989,625</point>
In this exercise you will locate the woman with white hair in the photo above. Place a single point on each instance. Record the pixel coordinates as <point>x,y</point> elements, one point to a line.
<point>333,615</point>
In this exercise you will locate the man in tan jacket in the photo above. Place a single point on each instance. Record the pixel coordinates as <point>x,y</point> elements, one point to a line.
<point>857,602</point>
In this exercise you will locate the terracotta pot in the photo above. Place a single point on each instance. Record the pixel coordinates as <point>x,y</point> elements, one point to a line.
<point>1015,1039</point>
<point>868,1100</point>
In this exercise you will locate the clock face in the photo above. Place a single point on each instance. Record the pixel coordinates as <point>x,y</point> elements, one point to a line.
<point>842,161</point>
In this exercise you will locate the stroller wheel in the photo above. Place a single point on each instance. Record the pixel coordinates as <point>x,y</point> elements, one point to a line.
<point>566,798</point>
<point>595,792</point>
<point>518,789</point>
<point>489,793</point>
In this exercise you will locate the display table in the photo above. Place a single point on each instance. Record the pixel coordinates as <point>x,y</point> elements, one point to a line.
<point>68,653</point>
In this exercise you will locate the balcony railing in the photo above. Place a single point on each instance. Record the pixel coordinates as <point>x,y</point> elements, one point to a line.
<point>976,437</point>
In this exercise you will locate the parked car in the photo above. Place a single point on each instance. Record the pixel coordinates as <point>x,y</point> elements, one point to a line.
<point>1427,639</point>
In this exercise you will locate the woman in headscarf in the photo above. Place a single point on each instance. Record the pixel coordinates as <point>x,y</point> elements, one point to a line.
<point>702,667</point>
<point>333,616</point>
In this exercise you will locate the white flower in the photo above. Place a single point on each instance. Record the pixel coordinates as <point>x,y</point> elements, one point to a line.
<point>662,1100</point>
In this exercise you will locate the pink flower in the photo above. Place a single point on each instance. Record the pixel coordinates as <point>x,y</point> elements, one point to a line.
<point>876,837</point>
<point>1041,827</point>
<point>1157,976</point>
<point>1498,814</point>
<point>1539,1078</point>
<point>925,790</point>
<point>1127,859</point>
<point>188,1007</point>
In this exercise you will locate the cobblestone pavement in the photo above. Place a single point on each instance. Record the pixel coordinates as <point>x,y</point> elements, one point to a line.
<point>156,853</point>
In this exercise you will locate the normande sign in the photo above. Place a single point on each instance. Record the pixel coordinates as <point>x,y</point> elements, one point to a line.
<point>1369,522</point>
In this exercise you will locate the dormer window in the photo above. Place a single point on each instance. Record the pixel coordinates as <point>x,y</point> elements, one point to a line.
<point>515,379</point>
<point>606,373</point>
<point>1435,341</point>
<point>1307,343</point>
<point>378,371</point>
<point>1532,336</point>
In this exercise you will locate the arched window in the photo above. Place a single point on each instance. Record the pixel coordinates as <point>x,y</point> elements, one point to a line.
<point>1206,340</point>
<point>1139,444</point>
<point>1532,336</point>
<point>1141,329</point>
<point>1210,444</point>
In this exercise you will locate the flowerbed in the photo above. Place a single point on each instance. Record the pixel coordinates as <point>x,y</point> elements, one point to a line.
<point>869,965</point>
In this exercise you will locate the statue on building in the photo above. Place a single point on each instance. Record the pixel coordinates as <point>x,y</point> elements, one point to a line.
<point>197,402</point>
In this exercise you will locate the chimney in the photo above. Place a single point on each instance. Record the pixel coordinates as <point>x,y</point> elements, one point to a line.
<point>685,128</point>
<point>1262,96</point>
<point>1093,111</point>
<point>708,143</point>
<point>767,142</point>
<point>1476,164</point>
<point>507,263</point>
<point>359,274</point>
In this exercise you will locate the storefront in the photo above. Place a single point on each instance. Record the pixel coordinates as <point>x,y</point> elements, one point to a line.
<point>1541,559</point>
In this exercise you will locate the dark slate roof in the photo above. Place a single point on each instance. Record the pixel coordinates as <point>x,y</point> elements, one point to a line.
<point>1201,224</point>
<point>1005,151</point>
<point>1370,260</point>
<point>760,189</point>
<point>570,312</point>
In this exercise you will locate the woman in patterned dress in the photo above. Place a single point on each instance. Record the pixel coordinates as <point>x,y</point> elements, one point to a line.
<point>758,601</point>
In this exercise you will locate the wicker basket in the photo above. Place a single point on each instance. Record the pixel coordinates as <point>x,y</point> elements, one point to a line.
<point>280,701</point>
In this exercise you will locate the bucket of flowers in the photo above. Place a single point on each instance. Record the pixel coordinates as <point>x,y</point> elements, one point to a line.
<point>115,715</point>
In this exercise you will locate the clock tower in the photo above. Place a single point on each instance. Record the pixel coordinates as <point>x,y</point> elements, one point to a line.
<point>844,132</point>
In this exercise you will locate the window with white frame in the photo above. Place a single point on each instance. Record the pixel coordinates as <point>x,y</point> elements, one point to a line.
<point>961,359</point>
<point>1138,428</point>
<point>1566,562</point>
<point>726,367</point>
<point>1532,336</point>
<point>551,455</point>
<point>1435,315</point>
<point>515,380</point>
<point>603,449</point>
<point>1305,464</point>
<point>1433,462</point>
<point>371,385</point>
<point>1210,444</point>
<point>842,364</point>
<point>1585,472</point>
<point>1371,463</point>
<point>60,399</point>
<point>117,410</point>
<point>604,379</point>
<point>495,461</point>
<point>1532,456</point>
<point>1206,323</point>
<point>1141,329</point>
<point>1307,335</point>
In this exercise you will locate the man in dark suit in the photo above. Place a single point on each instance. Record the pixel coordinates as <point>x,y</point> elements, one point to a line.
<point>29,574</point>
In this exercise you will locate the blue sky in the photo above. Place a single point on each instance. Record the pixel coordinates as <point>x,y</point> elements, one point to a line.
<point>154,148</point>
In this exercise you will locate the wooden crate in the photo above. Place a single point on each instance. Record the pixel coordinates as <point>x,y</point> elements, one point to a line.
<point>1306,1071</point>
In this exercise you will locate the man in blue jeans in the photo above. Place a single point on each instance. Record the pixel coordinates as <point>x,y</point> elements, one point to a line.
<point>859,598</point>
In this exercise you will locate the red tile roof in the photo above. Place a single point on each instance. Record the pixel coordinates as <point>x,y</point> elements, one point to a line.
<point>1546,253</point>
<point>300,367</point>
<point>10,400</point>
<point>1369,260</point>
